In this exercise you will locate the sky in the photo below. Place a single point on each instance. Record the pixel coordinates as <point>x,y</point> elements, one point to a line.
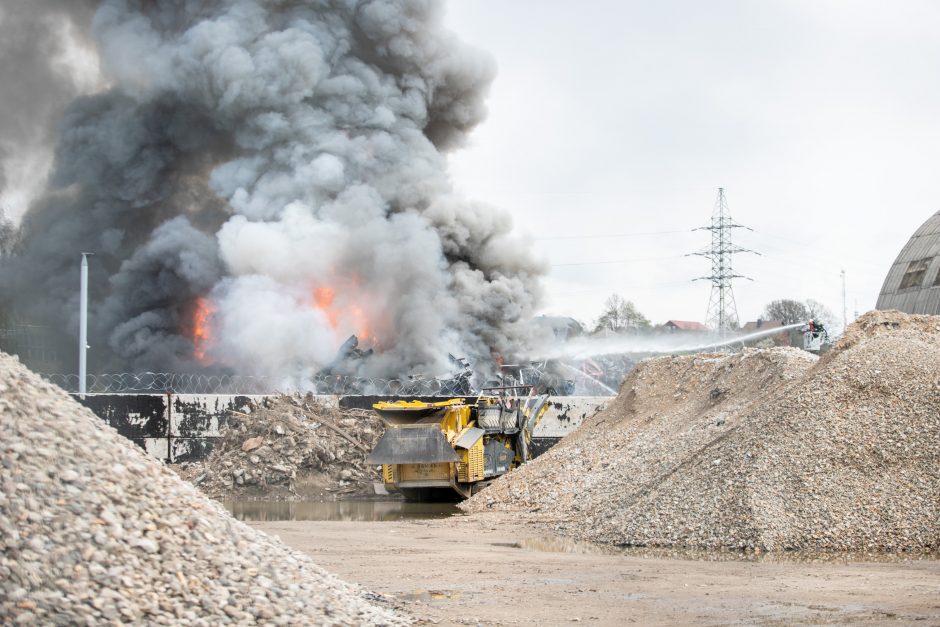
<point>613,123</point>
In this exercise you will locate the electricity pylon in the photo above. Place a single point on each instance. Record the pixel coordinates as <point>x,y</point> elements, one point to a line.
<point>722,313</point>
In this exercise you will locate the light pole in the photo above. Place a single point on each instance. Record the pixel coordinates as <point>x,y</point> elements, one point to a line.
<point>83,327</point>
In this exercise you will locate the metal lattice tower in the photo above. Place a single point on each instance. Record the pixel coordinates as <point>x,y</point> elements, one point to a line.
<point>722,313</point>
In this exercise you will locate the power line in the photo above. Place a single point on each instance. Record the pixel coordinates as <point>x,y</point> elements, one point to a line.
<point>638,288</point>
<point>610,236</point>
<point>614,261</point>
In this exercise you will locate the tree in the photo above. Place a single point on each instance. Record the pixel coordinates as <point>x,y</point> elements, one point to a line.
<point>819,312</point>
<point>786,311</point>
<point>619,315</point>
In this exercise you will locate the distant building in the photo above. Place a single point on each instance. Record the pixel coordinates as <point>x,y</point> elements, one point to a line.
<point>684,326</point>
<point>33,344</point>
<point>913,282</point>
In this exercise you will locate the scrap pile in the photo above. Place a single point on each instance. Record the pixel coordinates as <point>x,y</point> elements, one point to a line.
<point>765,450</point>
<point>93,531</point>
<point>291,447</point>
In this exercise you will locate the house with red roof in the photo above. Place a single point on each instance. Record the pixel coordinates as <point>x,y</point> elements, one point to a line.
<point>684,326</point>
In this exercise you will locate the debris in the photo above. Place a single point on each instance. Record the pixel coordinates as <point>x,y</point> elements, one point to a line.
<point>252,443</point>
<point>290,447</point>
<point>343,434</point>
<point>836,454</point>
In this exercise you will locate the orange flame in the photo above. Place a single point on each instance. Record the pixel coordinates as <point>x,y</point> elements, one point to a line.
<point>323,297</point>
<point>202,329</point>
<point>360,322</point>
<point>343,314</point>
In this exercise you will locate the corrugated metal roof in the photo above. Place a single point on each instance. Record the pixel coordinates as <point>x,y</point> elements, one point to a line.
<point>924,297</point>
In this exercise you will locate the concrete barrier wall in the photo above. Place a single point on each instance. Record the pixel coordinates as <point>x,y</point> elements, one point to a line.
<point>196,422</point>
<point>184,427</point>
<point>566,413</point>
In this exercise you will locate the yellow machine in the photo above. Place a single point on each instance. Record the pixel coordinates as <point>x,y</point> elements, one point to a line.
<point>451,448</point>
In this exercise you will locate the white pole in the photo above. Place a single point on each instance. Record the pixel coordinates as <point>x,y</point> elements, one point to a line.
<point>845,319</point>
<point>83,327</point>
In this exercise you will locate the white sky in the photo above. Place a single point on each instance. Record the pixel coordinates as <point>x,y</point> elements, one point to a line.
<point>818,117</point>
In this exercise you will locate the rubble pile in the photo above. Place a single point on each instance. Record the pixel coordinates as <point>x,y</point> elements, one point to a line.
<point>764,450</point>
<point>94,531</point>
<point>291,447</point>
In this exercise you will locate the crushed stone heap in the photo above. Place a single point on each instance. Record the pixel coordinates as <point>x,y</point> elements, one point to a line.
<point>767,450</point>
<point>288,447</point>
<point>94,531</point>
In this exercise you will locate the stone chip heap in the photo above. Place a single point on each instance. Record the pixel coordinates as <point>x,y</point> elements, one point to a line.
<point>290,447</point>
<point>93,531</point>
<point>764,450</point>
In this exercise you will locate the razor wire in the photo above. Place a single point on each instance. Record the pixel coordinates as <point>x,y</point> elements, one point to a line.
<point>175,383</point>
<point>338,385</point>
<point>162,382</point>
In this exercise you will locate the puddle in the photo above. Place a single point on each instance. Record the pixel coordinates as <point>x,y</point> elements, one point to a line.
<point>338,510</point>
<point>557,544</point>
<point>428,596</point>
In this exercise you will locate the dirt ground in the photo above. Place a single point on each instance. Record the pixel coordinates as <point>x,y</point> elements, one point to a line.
<point>482,569</point>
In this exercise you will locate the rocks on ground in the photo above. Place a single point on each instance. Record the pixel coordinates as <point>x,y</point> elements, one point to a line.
<point>764,450</point>
<point>288,447</point>
<point>93,531</point>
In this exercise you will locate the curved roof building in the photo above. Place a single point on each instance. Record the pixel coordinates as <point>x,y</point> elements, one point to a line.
<point>913,283</point>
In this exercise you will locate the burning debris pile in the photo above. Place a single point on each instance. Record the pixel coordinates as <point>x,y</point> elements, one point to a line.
<point>93,531</point>
<point>340,378</point>
<point>291,447</point>
<point>767,450</point>
<point>258,180</point>
<point>587,377</point>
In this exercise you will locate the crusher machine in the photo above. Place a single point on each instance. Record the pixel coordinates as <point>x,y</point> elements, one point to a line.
<point>451,449</point>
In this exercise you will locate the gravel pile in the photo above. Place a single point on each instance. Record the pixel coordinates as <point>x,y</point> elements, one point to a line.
<point>291,447</point>
<point>93,531</point>
<point>763,450</point>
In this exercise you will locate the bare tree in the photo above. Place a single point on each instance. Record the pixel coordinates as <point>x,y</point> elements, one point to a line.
<point>786,311</point>
<point>820,313</point>
<point>619,315</point>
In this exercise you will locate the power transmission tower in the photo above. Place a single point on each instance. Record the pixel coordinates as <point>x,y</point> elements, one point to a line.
<point>722,313</point>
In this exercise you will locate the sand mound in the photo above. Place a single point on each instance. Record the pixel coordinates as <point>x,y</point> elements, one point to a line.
<point>94,531</point>
<point>843,455</point>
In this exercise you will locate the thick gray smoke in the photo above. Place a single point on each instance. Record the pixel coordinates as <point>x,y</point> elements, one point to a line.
<point>262,179</point>
<point>40,74</point>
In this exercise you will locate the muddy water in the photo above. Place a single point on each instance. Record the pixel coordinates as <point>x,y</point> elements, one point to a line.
<point>557,544</point>
<point>338,510</point>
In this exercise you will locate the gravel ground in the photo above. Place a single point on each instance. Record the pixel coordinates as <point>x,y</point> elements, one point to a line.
<point>291,447</point>
<point>95,532</point>
<point>765,450</point>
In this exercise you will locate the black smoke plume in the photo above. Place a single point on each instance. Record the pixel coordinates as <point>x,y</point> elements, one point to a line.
<point>259,179</point>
